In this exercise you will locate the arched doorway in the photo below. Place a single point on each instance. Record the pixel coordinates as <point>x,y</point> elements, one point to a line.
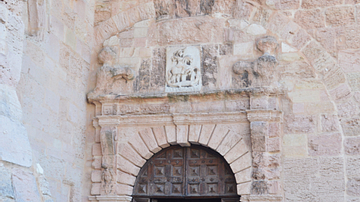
<point>189,174</point>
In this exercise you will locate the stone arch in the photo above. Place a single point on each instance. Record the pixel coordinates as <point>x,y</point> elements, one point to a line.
<point>150,140</point>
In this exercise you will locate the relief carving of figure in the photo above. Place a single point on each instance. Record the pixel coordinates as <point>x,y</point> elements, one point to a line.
<point>109,72</point>
<point>107,178</point>
<point>183,69</point>
<point>260,72</point>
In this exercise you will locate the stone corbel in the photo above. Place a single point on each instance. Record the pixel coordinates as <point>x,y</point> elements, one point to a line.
<point>260,72</point>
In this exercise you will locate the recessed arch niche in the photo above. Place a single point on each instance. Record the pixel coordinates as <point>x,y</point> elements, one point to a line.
<point>186,173</point>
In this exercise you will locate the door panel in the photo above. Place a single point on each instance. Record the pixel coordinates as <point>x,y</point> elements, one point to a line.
<point>185,172</point>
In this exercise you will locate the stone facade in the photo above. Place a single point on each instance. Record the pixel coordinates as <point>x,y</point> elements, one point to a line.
<point>92,89</point>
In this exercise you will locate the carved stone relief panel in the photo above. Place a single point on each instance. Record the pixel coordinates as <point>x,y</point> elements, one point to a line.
<point>183,72</point>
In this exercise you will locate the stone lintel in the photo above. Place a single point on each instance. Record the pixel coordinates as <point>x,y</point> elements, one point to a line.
<point>264,115</point>
<point>110,198</point>
<point>170,119</point>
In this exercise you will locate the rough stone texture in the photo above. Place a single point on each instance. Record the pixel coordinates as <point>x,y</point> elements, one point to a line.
<point>25,187</point>
<point>324,145</point>
<point>48,60</point>
<point>352,146</point>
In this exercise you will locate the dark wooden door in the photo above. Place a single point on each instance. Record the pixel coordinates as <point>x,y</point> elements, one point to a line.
<point>185,172</point>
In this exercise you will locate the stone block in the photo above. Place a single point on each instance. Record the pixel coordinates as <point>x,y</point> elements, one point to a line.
<point>149,139</point>
<point>352,166</point>
<point>228,142</point>
<point>122,189</point>
<point>244,188</point>
<point>341,92</point>
<point>160,136</point>
<point>126,166</point>
<point>128,152</point>
<point>274,187</point>
<point>255,29</point>
<point>295,145</point>
<point>182,135</point>
<point>300,124</point>
<point>194,133</point>
<point>300,39</point>
<point>339,16</point>
<point>259,102</point>
<point>259,188</point>
<point>241,163</point>
<point>206,132</point>
<point>96,150</point>
<point>125,178</point>
<point>347,109</point>
<point>104,30</point>
<point>259,128</point>
<point>139,145</point>
<point>351,126</point>
<point>353,80</point>
<point>353,187</point>
<point>310,19</point>
<point>307,4</point>
<point>6,188</point>
<point>352,146</point>
<point>258,143</point>
<point>274,129</point>
<point>95,189</point>
<point>219,134</point>
<point>273,144</point>
<point>243,176</point>
<point>96,176</point>
<point>238,150</point>
<point>171,134</point>
<point>245,50</point>
<point>348,60</point>
<point>25,186</point>
<point>329,123</point>
<point>14,144</point>
<point>324,145</point>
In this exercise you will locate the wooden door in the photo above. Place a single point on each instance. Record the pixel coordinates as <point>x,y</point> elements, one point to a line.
<point>185,172</point>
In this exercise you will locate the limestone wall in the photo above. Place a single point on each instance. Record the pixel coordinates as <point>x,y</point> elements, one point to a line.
<point>45,55</point>
<point>317,69</point>
<point>49,147</point>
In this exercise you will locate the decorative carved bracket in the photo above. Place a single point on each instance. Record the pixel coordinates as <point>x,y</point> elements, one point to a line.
<point>260,72</point>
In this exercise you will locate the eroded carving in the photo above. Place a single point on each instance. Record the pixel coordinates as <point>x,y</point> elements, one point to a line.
<point>109,72</point>
<point>108,179</point>
<point>260,72</point>
<point>107,139</point>
<point>183,72</point>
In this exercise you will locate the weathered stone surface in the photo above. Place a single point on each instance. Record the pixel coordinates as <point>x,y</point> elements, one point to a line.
<point>157,81</point>
<point>238,150</point>
<point>188,31</point>
<point>242,163</point>
<point>310,19</point>
<point>340,15</point>
<point>25,186</point>
<point>209,65</point>
<point>352,166</point>
<point>319,3</point>
<point>194,134</point>
<point>182,135</point>
<point>329,123</point>
<point>130,153</point>
<point>219,133</point>
<point>171,134</point>
<point>149,139</point>
<point>351,126</point>
<point>15,145</point>
<point>228,142</point>
<point>352,146</point>
<point>160,136</point>
<point>353,187</point>
<point>6,188</point>
<point>324,145</point>
<point>143,78</point>
<point>139,145</point>
<point>126,166</point>
<point>206,132</point>
<point>300,124</point>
